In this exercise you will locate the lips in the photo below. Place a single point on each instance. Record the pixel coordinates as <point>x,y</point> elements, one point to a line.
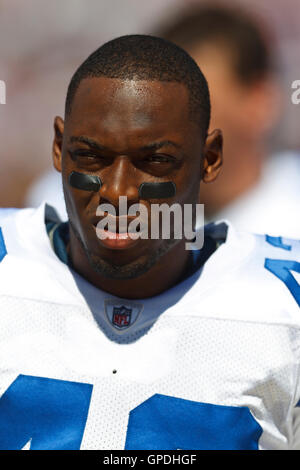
<point>114,234</point>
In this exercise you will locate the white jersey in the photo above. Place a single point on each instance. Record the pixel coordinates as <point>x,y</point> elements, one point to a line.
<point>212,363</point>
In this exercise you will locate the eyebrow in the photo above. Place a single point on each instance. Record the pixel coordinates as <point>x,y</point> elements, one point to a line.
<point>152,146</point>
<point>87,140</point>
<point>158,145</point>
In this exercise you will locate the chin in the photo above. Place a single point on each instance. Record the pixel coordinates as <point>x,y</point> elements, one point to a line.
<point>113,271</point>
<point>133,269</point>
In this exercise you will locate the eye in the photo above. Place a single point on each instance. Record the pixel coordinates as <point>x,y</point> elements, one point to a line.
<point>75,155</point>
<point>87,158</point>
<point>157,158</point>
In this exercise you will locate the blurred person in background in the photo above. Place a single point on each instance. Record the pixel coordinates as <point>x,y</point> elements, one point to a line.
<point>255,191</point>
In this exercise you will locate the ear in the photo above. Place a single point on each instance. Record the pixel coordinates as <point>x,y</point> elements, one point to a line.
<point>212,156</point>
<point>57,142</point>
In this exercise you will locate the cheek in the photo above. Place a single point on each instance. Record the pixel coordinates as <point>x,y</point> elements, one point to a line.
<point>77,203</point>
<point>70,199</point>
<point>76,200</point>
<point>188,183</point>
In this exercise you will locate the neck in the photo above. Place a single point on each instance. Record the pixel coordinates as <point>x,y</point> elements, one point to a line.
<point>162,276</point>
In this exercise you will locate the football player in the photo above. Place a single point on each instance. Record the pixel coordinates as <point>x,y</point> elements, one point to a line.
<point>118,342</point>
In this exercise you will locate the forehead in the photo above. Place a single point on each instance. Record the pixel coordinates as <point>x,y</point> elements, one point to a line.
<point>110,105</point>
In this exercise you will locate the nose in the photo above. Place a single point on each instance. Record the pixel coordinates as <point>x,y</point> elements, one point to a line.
<point>119,180</point>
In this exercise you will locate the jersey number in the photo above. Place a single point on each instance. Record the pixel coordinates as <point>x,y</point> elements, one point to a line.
<point>42,413</point>
<point>282,268</point>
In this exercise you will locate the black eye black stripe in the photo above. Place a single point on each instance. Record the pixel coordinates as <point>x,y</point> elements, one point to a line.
<point>157,190</point>
<point>85,182</point>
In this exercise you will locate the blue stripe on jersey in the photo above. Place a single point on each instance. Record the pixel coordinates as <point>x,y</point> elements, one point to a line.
<point>277,242</point>
<point>51,414</point>
<point>168,423</point>
<point>282,269</point>
<point>3,251</point>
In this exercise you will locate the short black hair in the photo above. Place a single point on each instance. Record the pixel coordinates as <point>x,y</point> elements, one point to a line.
<point>144,57</point>
<point>230,27</point>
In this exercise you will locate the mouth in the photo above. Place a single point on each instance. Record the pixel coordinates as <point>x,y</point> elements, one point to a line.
<point>116,233</point>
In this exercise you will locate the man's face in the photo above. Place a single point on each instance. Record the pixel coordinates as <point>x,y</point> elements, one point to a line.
<point>127,133</point>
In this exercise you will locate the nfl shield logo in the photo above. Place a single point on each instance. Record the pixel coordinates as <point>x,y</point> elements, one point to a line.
<point>122,313</point>
<point>121,316</point>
